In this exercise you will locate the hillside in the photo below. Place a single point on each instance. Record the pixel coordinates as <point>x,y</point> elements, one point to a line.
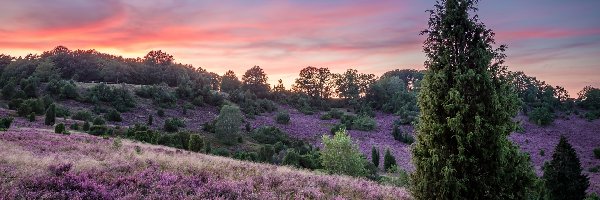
<point>38,163</point>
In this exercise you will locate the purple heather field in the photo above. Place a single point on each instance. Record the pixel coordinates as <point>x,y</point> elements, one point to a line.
<point>582,134</point>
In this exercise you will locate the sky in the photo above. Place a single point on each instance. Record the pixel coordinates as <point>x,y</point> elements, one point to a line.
<point>554,40</point>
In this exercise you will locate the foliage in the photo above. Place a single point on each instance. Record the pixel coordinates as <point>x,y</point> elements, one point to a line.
<point>63,89</point>
<point>161,95</point>
<point>255,80</point>
<point>160,112</point>
<point>113,116</point>
<point>74,126</point>
<point>150,120</point>
<point>466,108</point>
<point>62,111</point>
<point>562,175</point>
<point>230,82</point>
<point>388,160</point>
<point>29,106</point>
<point>221,152</point>
<point>60,128</point>
<point>341,156</point>
<point>118,97</point>
<point>589,98</point>
<point>317,83</point>
<point>597,152</point>
<point>283,118</point>
<point>31,117</point>
<point>5,123</point>
<point>351,84</point>
<point>375,156</point>
<point>86,126</point>
<point>98,121</point>
<point>269,135</point>
<point>364,123</point>
<point>265,153</point>
<point>541,116</point>
<point>291,158</point>
<point>336,128</point>
<point>399,178</point>
<point>82,115</point>
<point>98,130</point>
<point>348,120</point>
<point>173,124</point>
<point>196,143</point>
<point>401,136</point>
<point>228,124</point>
<point>50,115</point>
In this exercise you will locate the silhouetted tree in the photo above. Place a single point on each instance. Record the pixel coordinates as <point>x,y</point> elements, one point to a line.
<point>230,82</point>
<point>467,106</point>
<point>255,80</point>
<point>317,83</point>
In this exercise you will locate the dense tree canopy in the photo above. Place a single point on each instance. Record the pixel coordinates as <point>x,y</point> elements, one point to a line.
<point>467,106</point>
<point>255,80</point>
<point>230,82</point>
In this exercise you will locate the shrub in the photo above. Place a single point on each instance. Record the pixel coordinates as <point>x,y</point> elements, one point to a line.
<point>74,126</point>
<point>401,179</point>
<point>117,143</point>
<point>221,152</point>
<point>228,124</point>
<point>541,116</point>
<point>209,126</point>
<point>113,116</point>
<point>82,115</point>
<point>119,98</point>
<point>98,121</point>
<point>562,175</point>
<point>283,118</point>
<point>31,117</point>
<point>265,153</point>
<point>364,123</point>
<point>173,124</point>
<point>597,153</point>
<point>50,115</point>
<point>31,106</point>
<point>251,156</point>
<point>336,128</point>
<point>86,126</point>
<point>196,143</point>
<point>62,111</point>
<point>269,135</point>
<point>60,128</point>
<point>207,147</point>
<point>348,120</point>
<point>375,156</point>
<point>147,136</point>
<point>594,169</point>
<point>98,130</point>
<point>325,116</point>
<point>198,101</point>
<point>248,127</point>
<point>5,123</point>
<point>150,120</point>
<point>341,156</point>
<point>401,136</point>
<point>160,112</point>
<point>388,160</point>
<point>335,113</point>
<point>291,158</point>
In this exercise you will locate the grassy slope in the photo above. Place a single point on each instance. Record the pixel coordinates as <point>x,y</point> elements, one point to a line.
<point>29,155</point>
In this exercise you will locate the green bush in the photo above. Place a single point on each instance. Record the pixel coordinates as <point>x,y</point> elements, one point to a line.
<point>60,128</point>
<point>335,113</point>
<point>341,156</point>
<point>147,136</point>
<point>283,118</point>
<point>74,126</point>
<point>173,124</point>
<point>269,135</point>
<point>209,126</point>
<point>291,158</point>
<point>119,98</point>
<point>113,116</point>
<point>31,117</point>
<point>150,120</point>
<point>62,111</point>
<point>541,116</point>
<point>325,116</point>
<point>98,121</point>
<point>50,115</point>
<point>228,124</point>
<point>348,120</point>
<point>265,153</point>
<point>82,115</point>
<point>336,128</point>
<point>399,178</point>
<point>563,174</point>
<point>196,143</point>
<point>251,156</point>
<point>388,160</point>
<point>198,101</point>
<point>86,126</point>
<point>375,156</point>
<point>31,106</point>
<point>364,123</point>
<point>207,147</point>
<point>98,130</point>
<point>221,152</point>
<point>5,123</point>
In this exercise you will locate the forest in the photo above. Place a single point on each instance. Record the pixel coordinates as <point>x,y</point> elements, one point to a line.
<point>466,127</point>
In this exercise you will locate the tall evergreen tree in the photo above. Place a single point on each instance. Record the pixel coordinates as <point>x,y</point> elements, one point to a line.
<point>466,105</point>
<point>563,174</point>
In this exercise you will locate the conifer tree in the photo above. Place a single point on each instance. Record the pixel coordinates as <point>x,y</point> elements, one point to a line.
<point>50,115</point>
<point>466,105</point>
<point>563,174</point>
<point>375,156</point>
